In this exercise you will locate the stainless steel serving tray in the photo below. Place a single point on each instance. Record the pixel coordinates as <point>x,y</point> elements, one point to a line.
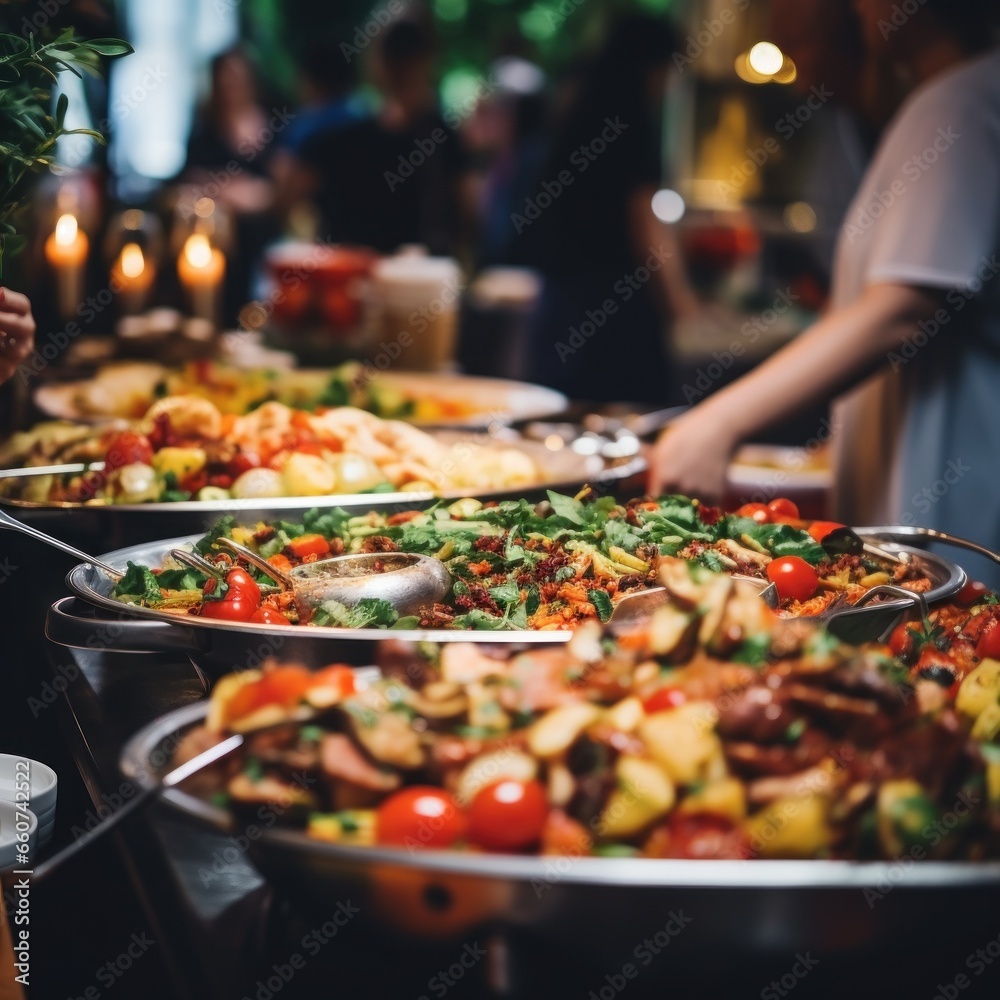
<point>223,644</point>
<point>602,907</point>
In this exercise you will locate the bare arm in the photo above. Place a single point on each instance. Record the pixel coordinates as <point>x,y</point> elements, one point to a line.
<point>835,353</point>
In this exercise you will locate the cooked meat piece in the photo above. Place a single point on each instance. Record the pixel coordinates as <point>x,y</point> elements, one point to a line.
<point>343,761</point>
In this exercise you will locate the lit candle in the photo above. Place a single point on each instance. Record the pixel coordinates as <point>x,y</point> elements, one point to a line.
<point>132,276</point>
<point>66,251</point>
<point>201,269</point>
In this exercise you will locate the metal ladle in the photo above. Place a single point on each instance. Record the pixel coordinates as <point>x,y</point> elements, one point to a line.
<point>406,580</point>
<point>6,521</point>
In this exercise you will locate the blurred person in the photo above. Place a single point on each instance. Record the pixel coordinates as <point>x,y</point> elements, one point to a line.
<point>613,274</point>
<point>916,300</point>
<point>228,159</point>
<point>329,102</point>
<point>394,178</point>
<point>824,41</point>
<point>17,331</point>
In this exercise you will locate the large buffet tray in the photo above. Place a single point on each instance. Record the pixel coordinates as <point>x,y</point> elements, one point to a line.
<point>601,907</point>
<point>220,644</point>
<point>563,470</point>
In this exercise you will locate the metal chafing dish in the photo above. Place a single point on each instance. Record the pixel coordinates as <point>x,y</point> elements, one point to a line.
<point>221,645</point>
<point>601,908</point>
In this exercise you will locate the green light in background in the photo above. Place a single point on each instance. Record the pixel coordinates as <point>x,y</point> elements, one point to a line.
<point>537,23</point>
<point>459,90</point>
<point>657,6</point>
<point>451,10</point>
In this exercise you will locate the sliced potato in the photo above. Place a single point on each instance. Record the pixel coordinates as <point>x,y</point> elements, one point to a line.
<point>350,826</point>
<point>979,689</point>
<point>791,828</point>
<point>489,768</point>
<point>181,462</point>
<point>556,731</point>
<point>725,797</point>
<point>643,794</point>
<point>683,740</point>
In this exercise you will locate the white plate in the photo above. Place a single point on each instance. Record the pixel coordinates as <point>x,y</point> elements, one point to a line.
<point>42,782</point>
<point>494,400</point>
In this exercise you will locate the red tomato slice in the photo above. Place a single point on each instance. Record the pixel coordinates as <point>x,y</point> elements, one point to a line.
<point>971,593</point>
<point>989,642</point>
<point>664,698</point>
<point>508,815</point>
<point>337,677</point>
<point>757,511</point>
<point>795,579</point>
<point>127,448</point>
<point>820,529</point>
<point>782,507</point>
<point>420,816</point>
<point>269,616</point>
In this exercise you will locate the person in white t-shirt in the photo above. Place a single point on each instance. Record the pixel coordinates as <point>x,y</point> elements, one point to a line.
<point>912,335</point>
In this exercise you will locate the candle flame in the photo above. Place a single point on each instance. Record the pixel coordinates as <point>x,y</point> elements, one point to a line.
<point>132,261</point>
<point>66,230</point>
<point>198,251</point>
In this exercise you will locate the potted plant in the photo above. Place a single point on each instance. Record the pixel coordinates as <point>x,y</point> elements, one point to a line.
<point>29,126</point>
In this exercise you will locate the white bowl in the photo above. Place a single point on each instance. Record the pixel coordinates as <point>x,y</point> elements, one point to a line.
<point>42,782</point>
<point>15,822</point>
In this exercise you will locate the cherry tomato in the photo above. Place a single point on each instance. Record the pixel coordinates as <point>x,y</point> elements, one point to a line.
<point>269,616</point>
<point>508,815</point>
<point>901,640</point>
<point>702,836</point>
<point>564,836</point>
<point>338,677</point>
<point>220,479</point>
<point>127,448</point>
<point>420,816</point>
<point>795,579</point>
<point>971,593</point>
<point>820,529</point>
<point>194,482</point>
<point>664,698</point>
<point>933,665</point>
<point>989,642</point>
<point>758,511</point>
<point>243,461</point>
<point>782,507</point>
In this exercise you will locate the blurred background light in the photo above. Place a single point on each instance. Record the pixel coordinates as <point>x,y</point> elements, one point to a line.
<point>668,206</point>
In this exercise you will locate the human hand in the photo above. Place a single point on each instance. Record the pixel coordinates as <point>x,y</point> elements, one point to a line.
<point>17,331</point>
<point>692,456</point>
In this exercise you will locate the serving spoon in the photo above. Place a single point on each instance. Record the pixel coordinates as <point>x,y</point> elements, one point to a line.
<point>6,521</point>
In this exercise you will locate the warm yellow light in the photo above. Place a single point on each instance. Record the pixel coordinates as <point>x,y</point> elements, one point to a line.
<point>198,251</point>
<point>787,73</point>
<point>746,72</point>
<point>66,230</point>
<point>765,58</point>
<point>204,207</point>
<point>133,262</point>
<point>800,217</point>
